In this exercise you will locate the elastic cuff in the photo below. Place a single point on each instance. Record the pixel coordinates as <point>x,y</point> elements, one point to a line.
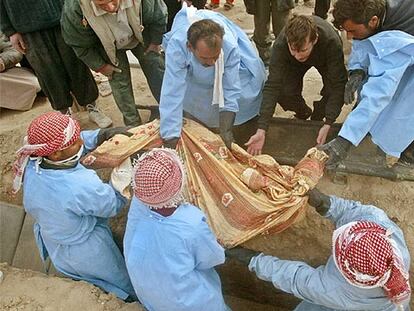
<point>329,121</point>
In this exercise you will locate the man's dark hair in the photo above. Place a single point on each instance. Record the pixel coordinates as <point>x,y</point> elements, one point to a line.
<point>207,30</point>
<point>358,11</point>
<point>299,28</point>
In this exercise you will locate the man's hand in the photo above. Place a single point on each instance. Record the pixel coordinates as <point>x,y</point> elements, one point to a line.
<point>226,121</point>
<point>105,134</point>
<point>108,70</point>
<point>337,150</point>
<point>320,201</point>
<point>17,42</point>
<point>323,133</point>
<point>354,83</point>
<point>256,142</point>
<point>155,48</point>
<point>242,255</point>
<point>171,143</point>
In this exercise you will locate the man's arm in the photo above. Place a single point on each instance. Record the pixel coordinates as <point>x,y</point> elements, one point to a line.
<point>384,76</point>
<point>336,76</point>
<point>173,91</point>
<point>299,279</point>
<point>274,83</point>
<point>80,36</point>
<point>9,57</point>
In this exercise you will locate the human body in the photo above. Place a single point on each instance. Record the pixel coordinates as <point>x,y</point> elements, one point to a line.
<point>170,250</point>
<point>189,82</point>
<point>70,204</point>
<point>287,68</point>
<point>34,30</point>
<point>328,287</point>
<point>100,38</point>
<point>18,86</point>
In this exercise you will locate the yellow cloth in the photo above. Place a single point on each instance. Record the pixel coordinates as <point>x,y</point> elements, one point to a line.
<point>242,195</point>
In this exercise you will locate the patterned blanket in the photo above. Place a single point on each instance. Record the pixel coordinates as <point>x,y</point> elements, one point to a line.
<point>242,195</point>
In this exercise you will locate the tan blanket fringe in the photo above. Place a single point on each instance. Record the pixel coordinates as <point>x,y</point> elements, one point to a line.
<point>242,195</point>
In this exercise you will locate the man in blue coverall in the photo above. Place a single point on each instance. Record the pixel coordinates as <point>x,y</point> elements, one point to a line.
<point>368,269</point>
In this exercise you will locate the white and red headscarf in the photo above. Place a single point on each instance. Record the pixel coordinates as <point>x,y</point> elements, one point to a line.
<point>159,178</point>
<point>367,257</point>
<point>46,134</point>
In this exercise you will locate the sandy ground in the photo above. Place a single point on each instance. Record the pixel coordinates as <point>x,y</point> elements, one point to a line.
<point>307,240</point>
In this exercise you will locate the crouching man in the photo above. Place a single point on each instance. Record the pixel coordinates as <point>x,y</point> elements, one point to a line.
<point>368,269</point>
<point>70,204</point>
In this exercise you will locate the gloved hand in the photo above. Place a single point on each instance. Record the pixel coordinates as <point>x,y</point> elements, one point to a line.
<point>242,255</point>
<point>337,150</point>
<point>171,143</point>
<point>320,201</point>
<point>354,83</point>
<point>226,121</point>
<point>108,133</point>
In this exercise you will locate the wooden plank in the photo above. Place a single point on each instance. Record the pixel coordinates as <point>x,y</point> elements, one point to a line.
<point>11,222</point>
<point>27,254</point>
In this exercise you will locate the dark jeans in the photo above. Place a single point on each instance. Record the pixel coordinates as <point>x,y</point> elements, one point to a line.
<point>174,6</point>
<point>322,8</point>
<point>152,65</point>
<point>60,73</point>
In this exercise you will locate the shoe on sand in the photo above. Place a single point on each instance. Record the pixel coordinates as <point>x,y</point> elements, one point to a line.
<point>98,117</point>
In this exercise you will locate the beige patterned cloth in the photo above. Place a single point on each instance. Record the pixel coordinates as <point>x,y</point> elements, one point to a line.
<point>242,195</point>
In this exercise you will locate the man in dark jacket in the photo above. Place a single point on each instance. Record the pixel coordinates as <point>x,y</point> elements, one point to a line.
<point>101,31</point>
<point>34,30</point>
<point>304,43</point>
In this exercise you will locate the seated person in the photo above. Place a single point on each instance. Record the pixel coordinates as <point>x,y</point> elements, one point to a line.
<point>385,64</point>
<point>18,86</point>
<point>305,42</point>
<point>213,74</point>
<point>368,269</point>
<point>70,204</point>
<point>170,251</point>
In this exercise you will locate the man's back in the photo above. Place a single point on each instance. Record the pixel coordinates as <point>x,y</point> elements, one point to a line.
<point>171,259</point>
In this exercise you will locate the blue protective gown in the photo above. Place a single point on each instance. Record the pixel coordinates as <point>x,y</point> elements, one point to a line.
<point>188,85</point>
<point>71,208</point>
<point>324,288</point>
<point>171,259</point>
<point>385,109</point>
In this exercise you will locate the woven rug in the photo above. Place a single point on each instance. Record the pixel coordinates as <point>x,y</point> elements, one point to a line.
<point>242,195</point>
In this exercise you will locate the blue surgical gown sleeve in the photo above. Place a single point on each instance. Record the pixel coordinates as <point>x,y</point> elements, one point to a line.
<point>231,81</point>
<point>94,197</point>
<point>173,91</point>
<point>297,278</point>
<point>90,139</point>
<point>208,252</point>
<point>383,79</point>
<point>344,211</point>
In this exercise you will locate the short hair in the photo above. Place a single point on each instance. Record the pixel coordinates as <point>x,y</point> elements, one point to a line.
<point>299,28</point>
<point>358,11</point>
<point>207,30</point>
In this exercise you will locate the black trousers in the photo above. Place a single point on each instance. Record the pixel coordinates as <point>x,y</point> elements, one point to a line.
<point>322,8</point>
<point>174,6</point>
<point>60,73</point>
<point>291,98</point>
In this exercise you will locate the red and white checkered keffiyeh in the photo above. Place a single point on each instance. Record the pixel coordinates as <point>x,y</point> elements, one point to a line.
<point>367,257</point>
<point>159,178</point>
<point>46,134</point>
